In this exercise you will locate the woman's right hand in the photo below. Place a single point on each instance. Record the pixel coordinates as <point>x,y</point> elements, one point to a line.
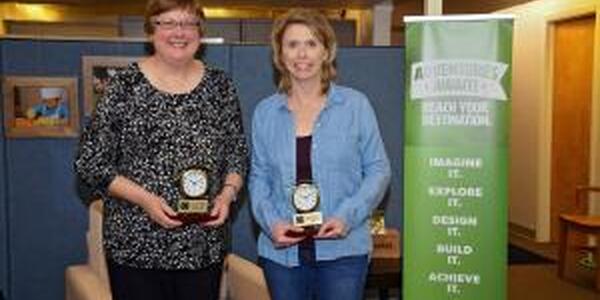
<point>285,234</point>
<point>160,212</point>
<point>155,206</point>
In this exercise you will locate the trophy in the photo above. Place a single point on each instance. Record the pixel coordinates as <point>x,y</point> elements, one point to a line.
<point>377,222</point>
<point>305,200</point>
<point>193,184</point>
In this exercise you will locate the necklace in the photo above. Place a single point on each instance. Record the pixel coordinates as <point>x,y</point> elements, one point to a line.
<point>184,82</point>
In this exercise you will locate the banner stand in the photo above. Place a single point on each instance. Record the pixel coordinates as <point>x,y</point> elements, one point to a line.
<point>458,90</point>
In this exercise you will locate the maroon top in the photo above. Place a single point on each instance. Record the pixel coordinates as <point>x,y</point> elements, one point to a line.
<point>303,167</point>
<point>306,248</point>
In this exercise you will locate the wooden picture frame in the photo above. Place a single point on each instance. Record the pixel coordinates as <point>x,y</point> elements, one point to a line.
<point>40,106</point>
<point>96,72</point>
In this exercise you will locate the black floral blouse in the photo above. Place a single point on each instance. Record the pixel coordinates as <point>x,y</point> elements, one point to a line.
<point>149,137</point>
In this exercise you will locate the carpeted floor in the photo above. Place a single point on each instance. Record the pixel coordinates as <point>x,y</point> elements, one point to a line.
<point>540,282</point>
<point>521,256</point>
<point>534,277</point>
<point>531,277</point>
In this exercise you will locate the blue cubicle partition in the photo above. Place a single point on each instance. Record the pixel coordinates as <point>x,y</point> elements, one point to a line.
<point>43,221</point>
<point>3,219</point>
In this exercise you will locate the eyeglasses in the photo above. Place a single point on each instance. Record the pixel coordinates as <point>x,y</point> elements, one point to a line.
<point>172,24</point>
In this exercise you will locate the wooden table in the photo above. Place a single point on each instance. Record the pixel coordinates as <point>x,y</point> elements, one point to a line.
<point>385,274</point>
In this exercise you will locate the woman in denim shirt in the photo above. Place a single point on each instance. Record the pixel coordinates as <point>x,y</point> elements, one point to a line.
<point>316,134</point>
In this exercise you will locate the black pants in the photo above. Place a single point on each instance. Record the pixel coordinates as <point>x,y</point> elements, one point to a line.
<point>127,283</point>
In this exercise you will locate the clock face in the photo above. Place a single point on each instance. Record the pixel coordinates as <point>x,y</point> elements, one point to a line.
<point>305,197</point>
<point>194,183</point>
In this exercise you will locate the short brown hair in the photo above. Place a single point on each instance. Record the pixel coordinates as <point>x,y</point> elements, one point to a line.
<point>320,27</point>
<point>157,7</point>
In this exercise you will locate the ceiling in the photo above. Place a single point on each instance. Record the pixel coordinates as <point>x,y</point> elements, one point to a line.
<point>450,6</point>
<point>411,6</point>
<point>228,3</point>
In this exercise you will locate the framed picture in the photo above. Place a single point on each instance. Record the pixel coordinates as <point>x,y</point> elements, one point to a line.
<point>97,71</point>
<point>40,106</point>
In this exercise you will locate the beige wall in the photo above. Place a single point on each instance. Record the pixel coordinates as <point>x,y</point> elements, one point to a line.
<point>532,109</point>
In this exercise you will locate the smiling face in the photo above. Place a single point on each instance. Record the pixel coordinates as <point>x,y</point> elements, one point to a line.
<point>176,36</point>
<point>52,102</point>
<point>302,53</point>
<point>316,38</point>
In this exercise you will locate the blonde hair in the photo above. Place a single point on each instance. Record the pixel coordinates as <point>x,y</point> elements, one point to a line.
<point>320,27</point>
<point>157,7</point>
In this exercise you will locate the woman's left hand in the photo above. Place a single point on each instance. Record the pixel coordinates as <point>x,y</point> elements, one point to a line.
<point>220,210</point>
<point>333,228</point>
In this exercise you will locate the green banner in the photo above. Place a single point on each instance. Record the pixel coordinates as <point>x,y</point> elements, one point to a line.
<point>458,88</point>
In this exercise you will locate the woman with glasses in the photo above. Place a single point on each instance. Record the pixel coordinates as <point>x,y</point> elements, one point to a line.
<point>165,151</point>
<point>319,168</point>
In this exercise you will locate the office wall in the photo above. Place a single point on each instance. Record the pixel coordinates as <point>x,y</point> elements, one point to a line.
<point>44,217</point>
<point>254,82</point>
<point>378,72</point>
<point>531,134</point>
<point>3,220</point>
<point>46,220</point>
<point>42,220</point>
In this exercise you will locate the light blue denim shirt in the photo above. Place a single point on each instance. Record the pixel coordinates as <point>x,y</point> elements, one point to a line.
<point>349,165</point>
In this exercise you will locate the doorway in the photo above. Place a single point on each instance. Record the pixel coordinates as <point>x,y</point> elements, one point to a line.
<point>572,72</point>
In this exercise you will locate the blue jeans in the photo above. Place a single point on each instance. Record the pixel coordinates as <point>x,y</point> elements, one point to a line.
<point>342,278</point>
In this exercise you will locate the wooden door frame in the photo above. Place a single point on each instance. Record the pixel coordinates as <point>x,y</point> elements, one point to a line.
<point>543,222</point>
